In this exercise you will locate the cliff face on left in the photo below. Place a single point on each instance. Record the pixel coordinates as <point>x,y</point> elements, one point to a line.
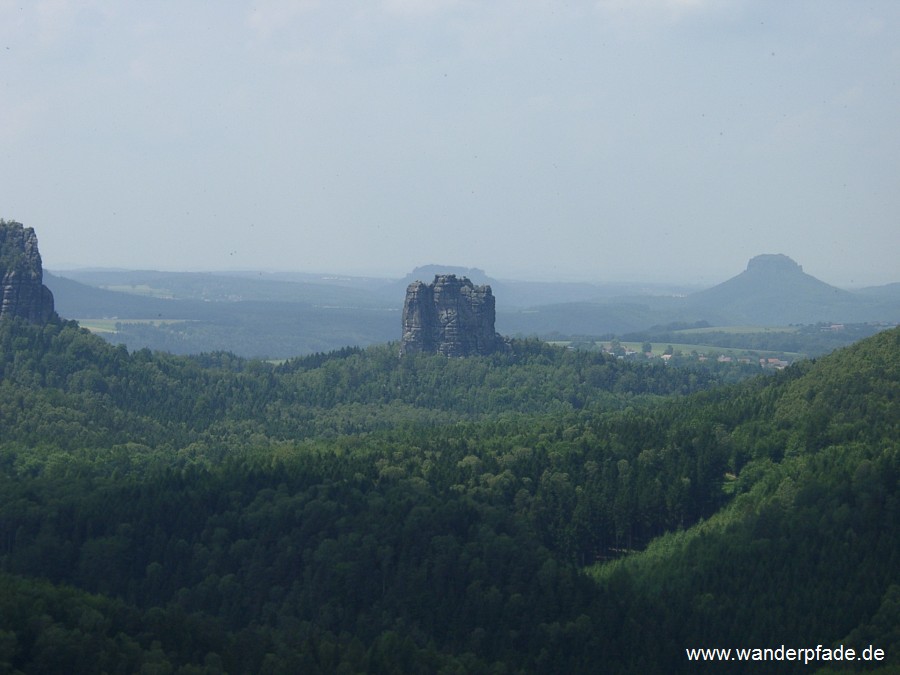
<point>22,292</point>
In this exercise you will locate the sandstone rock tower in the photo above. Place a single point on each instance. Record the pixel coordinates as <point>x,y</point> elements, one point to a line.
<point>22,292</point>
<point>450,316</point>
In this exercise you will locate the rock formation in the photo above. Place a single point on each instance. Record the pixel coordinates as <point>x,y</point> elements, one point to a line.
<point>450,316</point>
<point>773,263</point>
<point>22,292</point>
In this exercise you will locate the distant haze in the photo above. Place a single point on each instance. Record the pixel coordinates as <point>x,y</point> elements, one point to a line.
<point>654,140</point>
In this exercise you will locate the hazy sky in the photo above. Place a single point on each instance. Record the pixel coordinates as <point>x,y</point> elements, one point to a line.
<point>610,140</point>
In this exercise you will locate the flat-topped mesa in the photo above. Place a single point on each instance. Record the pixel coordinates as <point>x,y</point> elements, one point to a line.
<point>450,316</point>
<point>773,263</point>
<point>22,292</point>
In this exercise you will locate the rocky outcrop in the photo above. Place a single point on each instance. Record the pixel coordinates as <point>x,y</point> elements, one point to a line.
<point>22,292</point>
<point>450,316</point>
<point>773,263</point>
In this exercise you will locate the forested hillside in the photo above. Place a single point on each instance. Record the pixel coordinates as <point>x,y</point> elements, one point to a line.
<point>540,510</point>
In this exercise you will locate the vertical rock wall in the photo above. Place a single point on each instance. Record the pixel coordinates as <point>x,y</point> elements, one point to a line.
<point>22,292</point>
<point>450,316</point>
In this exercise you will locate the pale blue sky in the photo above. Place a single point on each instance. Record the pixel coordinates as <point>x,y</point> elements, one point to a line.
<point>622,139</point>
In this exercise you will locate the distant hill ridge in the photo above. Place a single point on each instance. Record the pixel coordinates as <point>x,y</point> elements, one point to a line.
<point>774,290</point>
<point>290,318</point>
<point>769,276</point>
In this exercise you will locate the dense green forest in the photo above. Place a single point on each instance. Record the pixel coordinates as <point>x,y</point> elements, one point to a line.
<point>539,510</point>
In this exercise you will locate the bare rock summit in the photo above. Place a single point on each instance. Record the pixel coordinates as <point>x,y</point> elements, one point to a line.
<point>22,291</point>
<point>450,316</point>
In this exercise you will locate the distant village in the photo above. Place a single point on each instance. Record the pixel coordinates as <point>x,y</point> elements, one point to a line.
<point>764,362</point>
<point>831,336</point>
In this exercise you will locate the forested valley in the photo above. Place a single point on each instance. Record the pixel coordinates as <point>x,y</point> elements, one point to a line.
<point>539,510</point>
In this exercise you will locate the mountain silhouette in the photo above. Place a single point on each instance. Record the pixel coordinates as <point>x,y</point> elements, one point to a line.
<point>774,290</point>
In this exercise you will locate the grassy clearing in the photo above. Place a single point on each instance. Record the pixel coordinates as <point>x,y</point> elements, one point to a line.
<point>141,289</point>
<point>690,347</point>
<point>738,330</point>
<point>660,348</point>
<point>110,325</point>
<point>686,349</point>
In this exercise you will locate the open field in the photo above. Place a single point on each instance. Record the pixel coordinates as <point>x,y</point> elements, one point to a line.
<point>659,348</point>
<point>738,330</point>
<point>109,325</point>
<point>140,289</point>
<point>685,349</point>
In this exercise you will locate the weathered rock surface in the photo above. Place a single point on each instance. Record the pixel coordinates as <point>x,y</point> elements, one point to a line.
<point>450,316</point>
<point>22,292</point>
